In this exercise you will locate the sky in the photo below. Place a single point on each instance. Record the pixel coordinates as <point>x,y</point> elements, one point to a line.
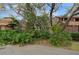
<point>61,10</point>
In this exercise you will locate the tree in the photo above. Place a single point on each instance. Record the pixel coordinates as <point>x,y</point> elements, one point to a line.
<point>28,12</point>
<point>51,11</point>
<point>53,8</point>
<point>14,23</point>
<point>72,13</point>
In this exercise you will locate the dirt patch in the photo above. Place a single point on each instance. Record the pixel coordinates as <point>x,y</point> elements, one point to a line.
<point>42,42</point>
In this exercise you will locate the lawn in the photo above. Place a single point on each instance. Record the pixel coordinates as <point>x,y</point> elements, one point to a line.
<point>74,46</point>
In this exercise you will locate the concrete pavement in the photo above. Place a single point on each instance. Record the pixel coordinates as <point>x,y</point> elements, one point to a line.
<point>35,50</point>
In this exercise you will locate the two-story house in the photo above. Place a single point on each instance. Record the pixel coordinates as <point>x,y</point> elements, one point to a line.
<point>73,25</point>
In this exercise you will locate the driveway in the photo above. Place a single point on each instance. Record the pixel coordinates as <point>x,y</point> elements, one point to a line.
<point>35,50</point>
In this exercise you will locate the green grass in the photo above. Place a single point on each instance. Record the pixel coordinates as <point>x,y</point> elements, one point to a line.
<point>74,46</point>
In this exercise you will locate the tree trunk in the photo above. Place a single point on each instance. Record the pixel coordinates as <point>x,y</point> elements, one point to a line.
<point>51,11</point>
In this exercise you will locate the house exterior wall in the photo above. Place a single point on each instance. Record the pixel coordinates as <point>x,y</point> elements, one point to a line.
<point>73,25</point>
<point>4,23</point>
<point>5,27</point>
<point>71,29</point>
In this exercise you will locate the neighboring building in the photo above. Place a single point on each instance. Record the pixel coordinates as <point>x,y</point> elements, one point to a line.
<point>4,23</point>
<point>73,25</point>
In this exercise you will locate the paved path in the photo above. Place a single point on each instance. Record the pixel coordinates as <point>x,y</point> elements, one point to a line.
<point>35,50</point>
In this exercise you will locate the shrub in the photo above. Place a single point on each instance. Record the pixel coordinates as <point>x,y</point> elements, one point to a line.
<point>14,37</point>
<point>41,34</point>
<point>7,36</point>
<point>75,36</point>
<point>59,38</point>
<point>56,28</point>
<point>22,38</point>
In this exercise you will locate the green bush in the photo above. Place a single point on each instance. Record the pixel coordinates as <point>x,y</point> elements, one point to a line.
<point>59,38</point>
<point>75,36</point>
<point>7,36</point>
<point>14,37</point>
<point>22,38</point>
<point>41,35</point>
<point>56,28</point>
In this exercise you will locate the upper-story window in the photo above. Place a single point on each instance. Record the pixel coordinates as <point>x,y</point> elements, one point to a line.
<point>65,19</point>
<point>76,19</point>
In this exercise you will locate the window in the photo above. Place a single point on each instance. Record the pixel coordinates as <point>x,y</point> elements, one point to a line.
<point>65,19</point>
<point>76,19</point>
